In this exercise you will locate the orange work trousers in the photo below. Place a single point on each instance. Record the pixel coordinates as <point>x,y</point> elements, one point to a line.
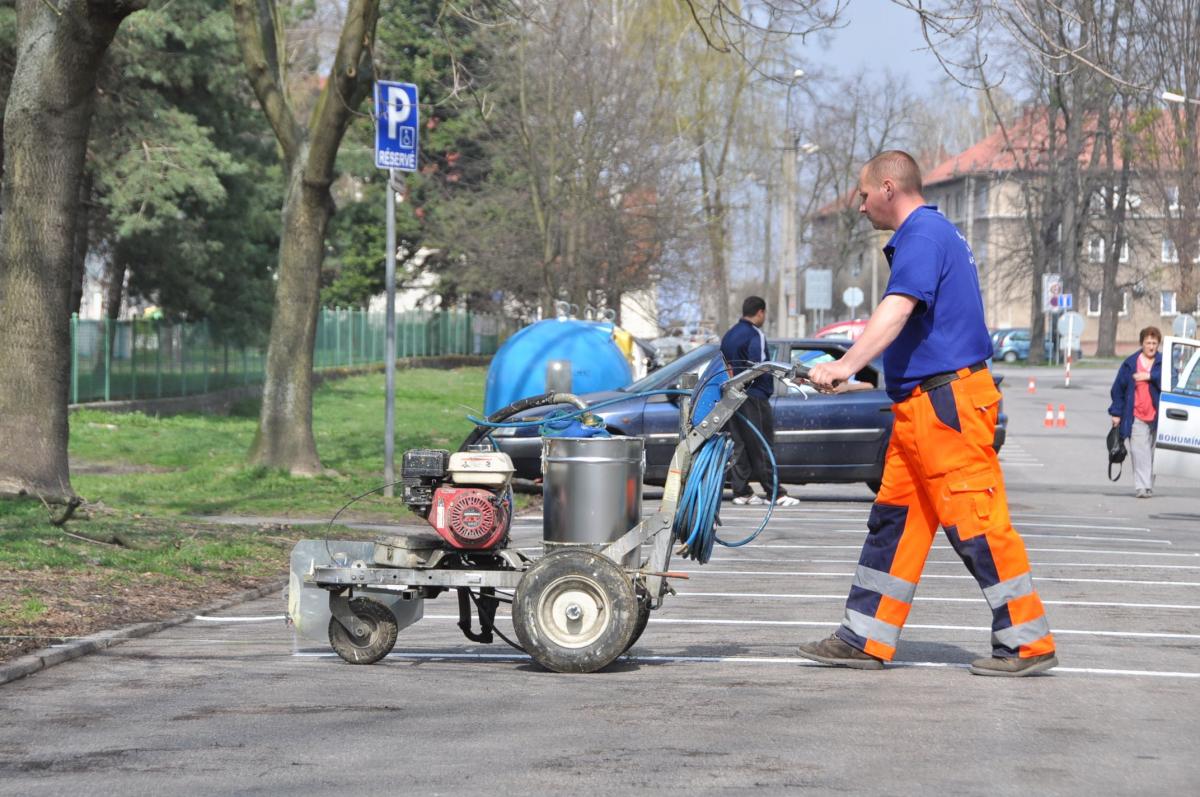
<point>941,470</point>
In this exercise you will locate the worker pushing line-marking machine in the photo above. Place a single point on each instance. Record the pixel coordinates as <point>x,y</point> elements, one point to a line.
<point>604,568</point>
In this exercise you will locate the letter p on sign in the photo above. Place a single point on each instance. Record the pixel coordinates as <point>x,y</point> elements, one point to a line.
<point>397,119</point>
<point>398,109</point>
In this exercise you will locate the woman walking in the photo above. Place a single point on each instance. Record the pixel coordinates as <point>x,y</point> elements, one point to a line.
<point>1134,407</point>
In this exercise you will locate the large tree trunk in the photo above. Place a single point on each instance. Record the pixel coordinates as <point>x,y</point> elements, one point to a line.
<point>285,435</point>
<point>46,124</point>
<point>1111,298</point>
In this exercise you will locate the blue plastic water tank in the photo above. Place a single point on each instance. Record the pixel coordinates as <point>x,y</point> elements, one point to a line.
<point>518,370</point>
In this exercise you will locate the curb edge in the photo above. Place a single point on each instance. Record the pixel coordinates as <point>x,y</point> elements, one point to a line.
<point>76,648</point>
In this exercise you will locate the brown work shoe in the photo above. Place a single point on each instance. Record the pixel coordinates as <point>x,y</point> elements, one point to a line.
<point>1012,666</point>
<point>835,652</point>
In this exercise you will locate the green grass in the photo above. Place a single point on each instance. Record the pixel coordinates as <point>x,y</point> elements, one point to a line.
<point>146,480</point>
<point>195,464</point>
<point>26,611</point>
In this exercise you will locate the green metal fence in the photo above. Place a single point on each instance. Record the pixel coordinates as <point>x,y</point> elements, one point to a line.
<point>116,360</point>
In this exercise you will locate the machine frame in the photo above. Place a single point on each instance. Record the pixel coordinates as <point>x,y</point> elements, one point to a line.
<point>510,570</point>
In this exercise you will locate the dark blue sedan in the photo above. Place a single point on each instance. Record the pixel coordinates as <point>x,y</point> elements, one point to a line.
<point>818,437</point>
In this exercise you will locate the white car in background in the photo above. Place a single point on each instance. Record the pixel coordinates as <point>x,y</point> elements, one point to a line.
<point>680,340</point>
<point>1177,447</point>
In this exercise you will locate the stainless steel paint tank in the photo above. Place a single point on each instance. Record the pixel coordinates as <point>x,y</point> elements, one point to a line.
<point>591,489</point>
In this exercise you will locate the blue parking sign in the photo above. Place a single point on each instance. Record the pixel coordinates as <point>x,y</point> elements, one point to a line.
<point>397,122</point>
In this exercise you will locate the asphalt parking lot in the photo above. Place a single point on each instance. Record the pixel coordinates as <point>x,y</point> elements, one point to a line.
<point>712,699</point>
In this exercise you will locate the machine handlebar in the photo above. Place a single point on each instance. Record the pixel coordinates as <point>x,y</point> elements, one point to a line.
<point>785,371</point>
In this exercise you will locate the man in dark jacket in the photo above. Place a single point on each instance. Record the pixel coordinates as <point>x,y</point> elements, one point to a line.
<point>744,345</point>
<point>1134,407</point>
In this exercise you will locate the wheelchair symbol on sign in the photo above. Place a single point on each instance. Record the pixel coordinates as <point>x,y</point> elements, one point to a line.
<point>407,134</point>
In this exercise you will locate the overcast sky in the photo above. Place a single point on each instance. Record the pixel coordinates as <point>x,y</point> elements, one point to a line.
<point>879,35</point>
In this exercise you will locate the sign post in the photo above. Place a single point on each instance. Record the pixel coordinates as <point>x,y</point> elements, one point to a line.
<point>818,292</point>
<point>1070,329</point>
<point>1055,301</point>
<point>397,120</point>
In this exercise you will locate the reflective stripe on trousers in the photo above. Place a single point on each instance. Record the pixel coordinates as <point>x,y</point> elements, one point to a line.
<point>941,470</point>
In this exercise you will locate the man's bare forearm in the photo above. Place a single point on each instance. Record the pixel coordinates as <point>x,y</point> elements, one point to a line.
<point>884,326</point>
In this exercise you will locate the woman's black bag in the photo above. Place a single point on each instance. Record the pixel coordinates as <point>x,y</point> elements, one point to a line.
<point>1116,452</point>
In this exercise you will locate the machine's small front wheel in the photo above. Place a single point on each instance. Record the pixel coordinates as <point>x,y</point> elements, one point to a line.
<point>575,611</point>
<point>378,637</point>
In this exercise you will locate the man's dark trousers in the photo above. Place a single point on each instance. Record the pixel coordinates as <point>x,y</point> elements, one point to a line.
<point>750,459</point>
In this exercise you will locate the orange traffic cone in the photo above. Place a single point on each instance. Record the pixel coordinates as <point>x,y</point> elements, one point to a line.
<point>1049,422</point>
<point>1032,385</point>
<point>1062,416</point>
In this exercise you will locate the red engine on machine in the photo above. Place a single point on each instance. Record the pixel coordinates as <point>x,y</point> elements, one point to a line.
<point>464,496</point>
<point>469,517</point>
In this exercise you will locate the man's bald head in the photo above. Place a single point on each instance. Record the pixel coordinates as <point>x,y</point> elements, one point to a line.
<point>897,166</point>
<point>889,189</point>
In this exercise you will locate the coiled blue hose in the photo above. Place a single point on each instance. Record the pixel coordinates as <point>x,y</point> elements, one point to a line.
<point>697,517</point>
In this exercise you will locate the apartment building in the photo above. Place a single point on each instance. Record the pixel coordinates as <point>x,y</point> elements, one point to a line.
<point>982,190</point>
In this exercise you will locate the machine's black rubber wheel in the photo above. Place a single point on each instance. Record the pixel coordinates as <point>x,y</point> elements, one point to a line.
<point>575,611</point>
<point>377,642</point>
<point>643,617</point>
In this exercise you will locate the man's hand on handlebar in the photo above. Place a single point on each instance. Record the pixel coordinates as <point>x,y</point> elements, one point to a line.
<point>827,376</point>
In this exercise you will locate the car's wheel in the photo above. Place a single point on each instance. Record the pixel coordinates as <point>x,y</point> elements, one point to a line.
<point>1010,356</point>
<point>874,484</point>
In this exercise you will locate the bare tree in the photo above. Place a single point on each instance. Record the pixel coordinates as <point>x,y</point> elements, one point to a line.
<point>714,92</point>
<point>309,148</point>
<point>46,123</point>
<point>584,200</point>
<point>1166,36</point>
<point>1170,136</point>
<point>852,121</point>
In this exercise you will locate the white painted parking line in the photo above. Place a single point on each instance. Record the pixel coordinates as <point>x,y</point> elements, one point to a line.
<point>1144,540</point>
<point>958,562</point>
<point>799,546</point>
<point>1069,517</point>
<point>919,598</point>
<point>730,529</point>
<point>927,576</point>
<point>263,619</point>
<point>925,627</point>
<point>788,660</point>
<point>862,530</point>
<point>798,514</point>
<point>1086,526</point>
<point>735,559</point>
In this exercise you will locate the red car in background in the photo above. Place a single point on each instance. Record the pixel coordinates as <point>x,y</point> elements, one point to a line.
<point>850,330</point>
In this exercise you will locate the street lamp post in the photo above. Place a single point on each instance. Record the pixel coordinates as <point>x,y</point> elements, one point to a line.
<point>787,262</point>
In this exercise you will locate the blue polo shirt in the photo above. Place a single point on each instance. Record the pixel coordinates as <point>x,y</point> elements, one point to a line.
<point>932,263</point>
<point>743,345</point>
